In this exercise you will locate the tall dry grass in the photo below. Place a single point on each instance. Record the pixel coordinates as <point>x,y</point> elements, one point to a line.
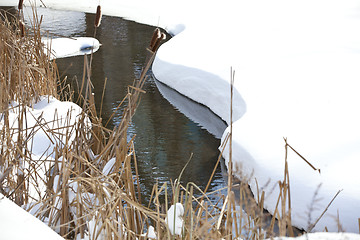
<point>79,198</point>
<point>25,75</point>
<point>91,182</point>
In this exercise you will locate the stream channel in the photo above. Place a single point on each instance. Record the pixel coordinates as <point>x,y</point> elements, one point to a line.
<point>165,136</point>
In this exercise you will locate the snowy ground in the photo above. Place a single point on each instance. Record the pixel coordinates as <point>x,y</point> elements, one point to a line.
<point>17,224</point>
<point>297,74</point>
<point>323,236</point>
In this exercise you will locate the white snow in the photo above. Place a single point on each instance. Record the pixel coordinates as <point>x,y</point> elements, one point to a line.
<point>68,47</point>
<point>58,38</point>
<point>151,234</point>
<point>297,77</point>
<point>297,72</point>
<point>174,219</point>
<point>323,236</point>
<point>109,167</point>
<point>17,224</point>
<point>50,124</point>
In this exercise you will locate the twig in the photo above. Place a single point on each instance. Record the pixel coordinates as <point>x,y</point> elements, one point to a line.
<point>322,214</point>
<point>316,169</point>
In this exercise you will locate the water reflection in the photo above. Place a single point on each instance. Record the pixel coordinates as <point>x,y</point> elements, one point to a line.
<point>165,138</point>
<point>57,23</point>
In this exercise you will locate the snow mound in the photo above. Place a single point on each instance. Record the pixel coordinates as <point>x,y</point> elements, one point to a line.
<point>17,224</point>
<point>68,47</point>
<point>50,126</point>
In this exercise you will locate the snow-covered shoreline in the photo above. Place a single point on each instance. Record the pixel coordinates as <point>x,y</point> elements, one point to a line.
<point>295,78</point>
<point>296,66</point>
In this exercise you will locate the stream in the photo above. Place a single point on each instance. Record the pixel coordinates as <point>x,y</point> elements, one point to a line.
<point>165,137</point>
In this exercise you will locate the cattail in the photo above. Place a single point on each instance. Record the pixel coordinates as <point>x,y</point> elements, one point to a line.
<point>98,16</point>
<point>22,29</point>
<point>20,6</point>
<point>154,38</point>
<point>159,38</point>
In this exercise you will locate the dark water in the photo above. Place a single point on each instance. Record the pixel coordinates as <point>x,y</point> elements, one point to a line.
<point>165,138</point>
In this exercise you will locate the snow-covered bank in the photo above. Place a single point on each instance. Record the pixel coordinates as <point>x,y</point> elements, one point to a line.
<point>17,224</point>
<point>296,68</point>
<point>296,76</point>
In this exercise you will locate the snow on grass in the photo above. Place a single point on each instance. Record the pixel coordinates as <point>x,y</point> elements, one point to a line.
<point>50,126</point>
<point>174,219</point>
<point>49,123</point>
